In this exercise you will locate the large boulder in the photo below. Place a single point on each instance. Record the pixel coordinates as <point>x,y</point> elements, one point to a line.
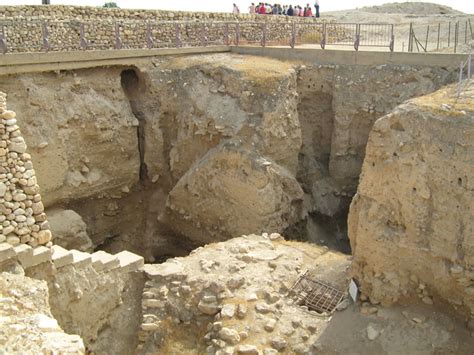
<point>233,191</point>
<point>411,224</point>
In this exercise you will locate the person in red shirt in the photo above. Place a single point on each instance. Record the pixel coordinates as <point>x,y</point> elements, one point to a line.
<point>262,10</point>
<point>308,12</point>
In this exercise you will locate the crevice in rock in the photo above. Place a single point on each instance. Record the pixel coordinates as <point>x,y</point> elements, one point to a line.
<point>130,82</point>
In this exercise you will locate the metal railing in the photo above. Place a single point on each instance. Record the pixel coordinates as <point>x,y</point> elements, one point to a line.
<point>45,36</point>
<point>463,81</point>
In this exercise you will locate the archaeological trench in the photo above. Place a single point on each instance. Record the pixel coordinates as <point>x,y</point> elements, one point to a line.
<point>183,196</point>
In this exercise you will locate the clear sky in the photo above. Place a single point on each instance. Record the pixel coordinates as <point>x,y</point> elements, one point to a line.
<point>225,5</point>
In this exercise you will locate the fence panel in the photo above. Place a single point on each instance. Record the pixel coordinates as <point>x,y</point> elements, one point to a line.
<point>376,35</point>
<point>309,34</point>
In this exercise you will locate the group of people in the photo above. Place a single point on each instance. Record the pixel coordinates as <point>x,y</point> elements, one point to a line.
<point>277,9</point>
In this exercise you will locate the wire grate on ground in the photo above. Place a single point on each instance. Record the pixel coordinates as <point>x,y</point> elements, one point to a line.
<point>316,295</point>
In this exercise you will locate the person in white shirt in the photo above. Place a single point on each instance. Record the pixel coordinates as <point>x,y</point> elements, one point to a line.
<point>236,9</point>
<point>252,9</point>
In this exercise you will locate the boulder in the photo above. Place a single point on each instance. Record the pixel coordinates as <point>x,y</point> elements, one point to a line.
<point>233,191</point>
<point>69,230</point>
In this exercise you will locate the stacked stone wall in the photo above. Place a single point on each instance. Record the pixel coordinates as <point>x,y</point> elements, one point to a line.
<point>22,217</point>
<point>24,26</point>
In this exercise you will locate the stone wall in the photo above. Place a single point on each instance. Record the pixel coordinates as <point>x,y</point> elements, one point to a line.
<point>21,210</point>
<point>23,26</point>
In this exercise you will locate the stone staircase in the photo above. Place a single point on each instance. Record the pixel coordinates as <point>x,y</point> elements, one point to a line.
<point>101,261</point>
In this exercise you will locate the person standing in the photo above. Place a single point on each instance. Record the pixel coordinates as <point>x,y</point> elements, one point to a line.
<point>236,10</point>
<point>316,6</point>
<point>290,11</point>
<point>252,9</point>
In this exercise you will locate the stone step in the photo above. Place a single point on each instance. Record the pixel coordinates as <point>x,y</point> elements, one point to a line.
<point>23,251</point>
<point>104,261</point>
<point>80,259</point>
<point>61,257</point>
<point>130,262</point>
<point>6,252</point>
<point>40,255</point>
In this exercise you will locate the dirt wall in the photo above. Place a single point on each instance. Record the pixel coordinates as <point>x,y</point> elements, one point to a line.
<point>410,223</point>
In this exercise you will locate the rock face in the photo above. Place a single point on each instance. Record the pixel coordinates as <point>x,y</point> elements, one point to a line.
<point>26,323</point>
<point>192,139</point>
<point>337,108</point>
<point>232,145</point>
<point>232,296</point>
<point>411,223</point>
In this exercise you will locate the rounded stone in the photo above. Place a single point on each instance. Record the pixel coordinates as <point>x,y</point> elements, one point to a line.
<point>19,197</point>
<point>44,236</point>
<point>13,240</point>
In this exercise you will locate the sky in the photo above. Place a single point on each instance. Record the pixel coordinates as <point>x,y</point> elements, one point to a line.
<point>225,5</point>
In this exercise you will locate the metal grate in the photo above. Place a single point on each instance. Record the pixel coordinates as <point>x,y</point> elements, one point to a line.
<point>315,295</point>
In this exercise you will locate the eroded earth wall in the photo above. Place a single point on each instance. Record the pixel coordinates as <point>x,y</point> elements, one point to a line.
<point>213,146</point>
<point>411,223</point>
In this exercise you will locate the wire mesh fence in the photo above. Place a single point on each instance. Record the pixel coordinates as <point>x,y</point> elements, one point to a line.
<point>464,74</point>
<point>447,36</point>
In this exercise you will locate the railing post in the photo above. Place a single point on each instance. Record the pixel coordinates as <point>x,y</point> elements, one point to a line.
<point>465,32</point>
<point>325,33</point>
<point>264,34</point>
<point>426,39</point>
<point>449,34</point>
<point>118,40</point>
<point>178,35</point>
<point>83,40</point>
<point>45,32</point>
<point>226,34</point>
<point>293,35</point>
<point>392,40</point>
<point>461,69</point>
<point>439,32</point>
<point>409,38</point>
<point>456,33</point>
<point>237,34</point>
<point>149,36</point>
<point>3,42</point>
<point>469,59</point>
<point>357,37</point>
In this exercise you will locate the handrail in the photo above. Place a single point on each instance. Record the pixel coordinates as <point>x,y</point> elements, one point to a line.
<point>67,35</point>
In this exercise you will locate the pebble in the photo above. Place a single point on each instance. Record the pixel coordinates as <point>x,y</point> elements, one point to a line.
<point>241,311</point>
<point>427,300</point>
<point>372,333</point>
<point>228,311</point>
<point>247,350</point>
<point>229,335</point>
<point>278,343</point>
<point>270,325</point>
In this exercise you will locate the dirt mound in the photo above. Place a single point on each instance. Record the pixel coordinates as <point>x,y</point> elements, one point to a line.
<point>414,8</point>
